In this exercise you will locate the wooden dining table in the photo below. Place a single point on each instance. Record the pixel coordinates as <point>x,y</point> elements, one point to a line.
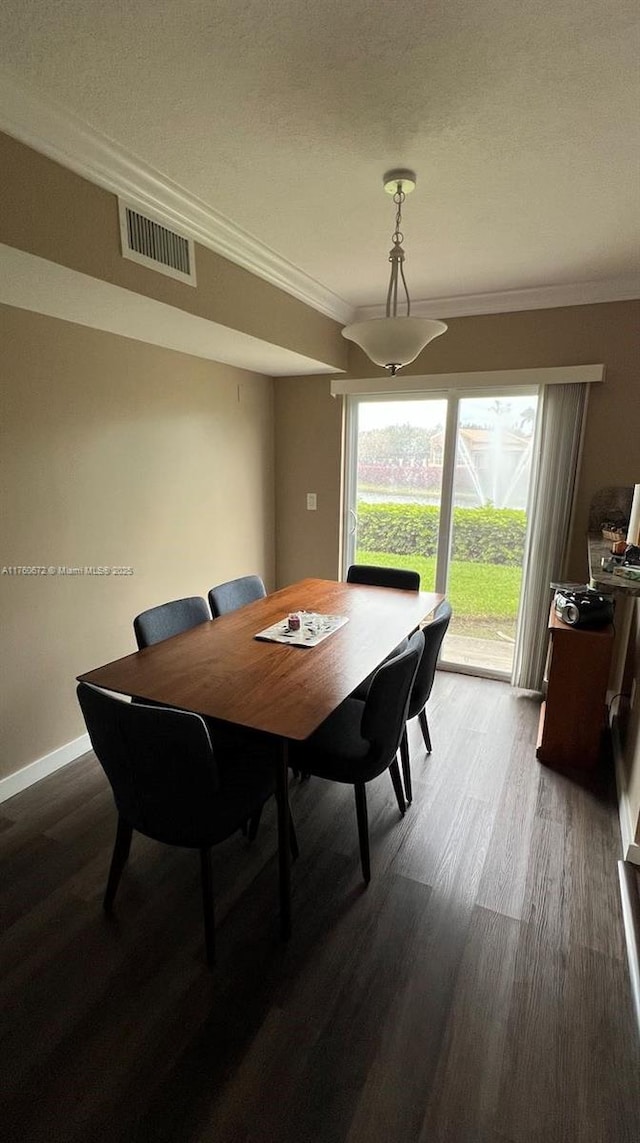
<point>220,670</point>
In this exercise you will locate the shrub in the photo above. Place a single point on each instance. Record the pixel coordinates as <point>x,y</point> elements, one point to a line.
<point>480,535</point>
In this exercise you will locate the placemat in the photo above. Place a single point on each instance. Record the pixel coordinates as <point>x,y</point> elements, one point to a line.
<point>314,629</point>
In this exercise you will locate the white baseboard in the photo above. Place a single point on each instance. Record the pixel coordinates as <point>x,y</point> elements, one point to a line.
<point>630,848</point>
<point>32,773</point>
<point>631,919</point>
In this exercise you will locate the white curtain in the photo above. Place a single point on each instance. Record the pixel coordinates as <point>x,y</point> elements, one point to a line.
<point>557,455</point>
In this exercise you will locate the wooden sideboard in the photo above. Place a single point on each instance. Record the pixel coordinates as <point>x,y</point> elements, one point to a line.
<point>574,715</point>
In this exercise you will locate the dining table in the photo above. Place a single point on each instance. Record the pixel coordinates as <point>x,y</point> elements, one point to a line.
<point>225,670</point>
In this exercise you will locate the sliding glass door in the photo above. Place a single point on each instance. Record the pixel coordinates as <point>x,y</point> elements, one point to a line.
<point>440,484</point>
<point>396,488</point>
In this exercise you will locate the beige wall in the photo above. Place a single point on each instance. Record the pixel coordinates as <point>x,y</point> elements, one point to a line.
<point>308,419</point>
<point>52,212</point>
<point>308,459</point>
<point>115,453</point>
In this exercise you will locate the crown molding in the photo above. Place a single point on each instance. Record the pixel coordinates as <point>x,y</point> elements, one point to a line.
<point>510,301</point>
<point>53,130</point>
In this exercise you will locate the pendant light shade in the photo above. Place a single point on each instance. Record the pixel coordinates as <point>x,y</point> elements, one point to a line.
<point>395,340</point>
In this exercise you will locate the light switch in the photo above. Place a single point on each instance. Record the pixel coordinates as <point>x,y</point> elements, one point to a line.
<point>312,501</point>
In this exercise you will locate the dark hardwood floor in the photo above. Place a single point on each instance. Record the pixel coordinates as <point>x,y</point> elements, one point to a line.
<point>476,992</point>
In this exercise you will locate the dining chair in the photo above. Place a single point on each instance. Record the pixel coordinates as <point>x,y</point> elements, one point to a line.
<point>360,739</point>
<point>175,782</point>
<point>384,577</point>
<point>373,576</point>
<point>173,618</point>
<point>434,634</point>
<point>235,593</point>
<point>169,619</point>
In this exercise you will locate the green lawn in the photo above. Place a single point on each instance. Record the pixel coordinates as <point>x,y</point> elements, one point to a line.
<point>484,597</point>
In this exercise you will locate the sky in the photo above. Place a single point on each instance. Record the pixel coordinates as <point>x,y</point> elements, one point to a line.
<point>429,413</point>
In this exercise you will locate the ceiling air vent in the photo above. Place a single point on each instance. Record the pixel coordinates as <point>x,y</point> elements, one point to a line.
<point>149,242</point>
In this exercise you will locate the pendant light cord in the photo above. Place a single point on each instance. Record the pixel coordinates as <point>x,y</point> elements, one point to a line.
<point>396,258</point>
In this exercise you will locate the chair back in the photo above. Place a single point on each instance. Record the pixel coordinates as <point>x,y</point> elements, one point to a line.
<point>387,703</point>
<point>169,619</point>
<point>384,577</point>
<point>235,593</point>
<point>434,633</point>
<point>160,765</point>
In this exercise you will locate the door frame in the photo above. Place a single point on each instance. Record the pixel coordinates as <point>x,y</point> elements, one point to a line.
<point>453,397</point>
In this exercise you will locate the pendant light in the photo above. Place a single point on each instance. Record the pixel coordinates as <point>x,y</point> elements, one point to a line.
<point>394,341</point>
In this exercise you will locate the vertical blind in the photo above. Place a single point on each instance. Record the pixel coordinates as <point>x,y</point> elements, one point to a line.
<point>557,453</point>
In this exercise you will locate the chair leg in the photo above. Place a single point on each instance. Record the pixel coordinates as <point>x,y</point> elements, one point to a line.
<point>207,904</point>
<point>397,785</point>
<point>118,861</point>
<point>284,844</point>
<point>363,829</point>
<point>293,840</point>
<point>254,822</point>
<point>406,765</point>
<point>424,726</point>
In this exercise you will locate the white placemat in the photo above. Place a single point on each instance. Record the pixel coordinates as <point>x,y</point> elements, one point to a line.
<point>314,629</point>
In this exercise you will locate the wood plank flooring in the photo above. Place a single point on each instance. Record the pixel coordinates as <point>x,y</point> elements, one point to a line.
<point>476,992</point>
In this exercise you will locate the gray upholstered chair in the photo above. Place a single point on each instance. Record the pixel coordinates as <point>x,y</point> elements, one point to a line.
<point>360,740</point>
<point>169,619</point>
<point>384,577</point>
<point>173,618</point>
<point>434,634</point>
<point>235,593</point>
<point>373,576</point>
<point>169,781</point>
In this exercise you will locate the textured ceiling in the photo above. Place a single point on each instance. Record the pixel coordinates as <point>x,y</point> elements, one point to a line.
<point>521,120</point>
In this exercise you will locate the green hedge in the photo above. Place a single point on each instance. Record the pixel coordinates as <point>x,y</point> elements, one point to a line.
<point>480,535</point>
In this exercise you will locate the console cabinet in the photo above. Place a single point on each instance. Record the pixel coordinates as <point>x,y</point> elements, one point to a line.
<point>574,715</point>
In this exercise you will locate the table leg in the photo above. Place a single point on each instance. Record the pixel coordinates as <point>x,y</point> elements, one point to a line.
<point>284,853</point>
